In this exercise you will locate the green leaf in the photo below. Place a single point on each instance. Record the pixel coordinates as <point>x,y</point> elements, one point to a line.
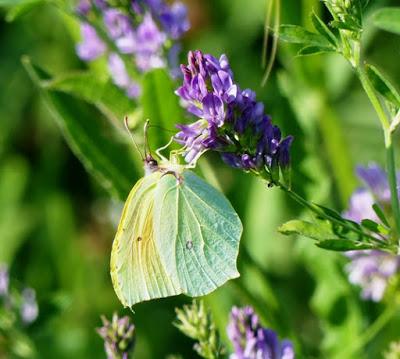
<point>321,27</point>
<point>383,85</point>
<point>314,50</point>
<point>16,219</point>
<point>342,245</point>
<point>21,8</point>
<point>331,212</point>
<point>6,3</point>
<point>349,25</point>
<point>160,105</point>
<point>381,215</point>
<point>319,232</point>
<point>388,19</point>
<point>299,35</point>
<point>327,235</point>
<point>374,227</point>
<point>91,138</point>
<point>102,93</point>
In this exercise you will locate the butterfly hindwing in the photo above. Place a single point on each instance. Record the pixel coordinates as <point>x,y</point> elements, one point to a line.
<point>197,233</point>
<point>137,272</point>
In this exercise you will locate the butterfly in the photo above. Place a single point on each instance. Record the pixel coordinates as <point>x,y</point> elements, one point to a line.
<point>177,235</point>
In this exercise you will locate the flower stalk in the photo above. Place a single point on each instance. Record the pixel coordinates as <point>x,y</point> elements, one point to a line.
<point>390,155</point>
<point>196,322</point>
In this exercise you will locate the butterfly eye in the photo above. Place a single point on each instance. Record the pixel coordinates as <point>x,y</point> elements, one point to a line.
<point>151,162</point>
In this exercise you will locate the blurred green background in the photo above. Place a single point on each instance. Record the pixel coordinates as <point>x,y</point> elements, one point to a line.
<point>57,223</point>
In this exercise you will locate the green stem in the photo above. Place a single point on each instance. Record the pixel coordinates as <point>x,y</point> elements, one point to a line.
<point>390,155</point>
<point>319,212</point>
<point>371,331</point>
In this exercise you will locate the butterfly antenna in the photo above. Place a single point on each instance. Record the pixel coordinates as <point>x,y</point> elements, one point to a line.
<point>162,128</point>
<point>131,136</point>
<point>146,138</point>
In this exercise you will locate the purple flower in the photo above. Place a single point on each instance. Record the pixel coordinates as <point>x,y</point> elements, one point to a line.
<point>375,179</point>
<point>251,341</point>
<point>117,24</point>
<point>91,46</point>
<point>118,335</point>
<point>84,6</point>
<point>174,19</point>
<point>143,37</point>
<point>29,308</point>
<point>236,126</point>
<point>4,280</point>
<point>120,29</point>
<point>371,270</point>
<point>149,45</point>
<point>120,76</point>
<point>173,60</point>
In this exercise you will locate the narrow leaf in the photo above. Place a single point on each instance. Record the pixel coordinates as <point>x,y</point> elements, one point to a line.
<point>22,8</point>
<point>299,35</point>
<point>383,85</point>
<point>374,227</point>
<point>321,27</point>
<point>318,231</point>
<point>314,50</point>
<point>107,97</point>
<point>381,215</point>
<point>92,140</point>
<point>388,19</point>
<point>342,245</point>
<point>160,105</point>
<point>332,213</point>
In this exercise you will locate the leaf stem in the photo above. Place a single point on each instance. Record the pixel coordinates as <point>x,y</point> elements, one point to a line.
<point>390,155</point>
<point>319,212</point>
<point>371,331</point>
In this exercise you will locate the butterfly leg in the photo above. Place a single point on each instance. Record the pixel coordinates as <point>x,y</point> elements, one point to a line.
<point>158,151</point>
<point>178,177</point>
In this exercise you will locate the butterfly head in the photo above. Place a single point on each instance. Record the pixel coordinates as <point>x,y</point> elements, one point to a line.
<point>150,164</point>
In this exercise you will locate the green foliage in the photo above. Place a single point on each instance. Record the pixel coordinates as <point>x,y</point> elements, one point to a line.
<point>94,141</point>
<point>160,105</point>
<point>388,19</point>
<point>298,35</point>
<point>16,218</point>
<point>383,86</point>
<point>55,227</point>
<point>99,92</point>
<point>329,235</point>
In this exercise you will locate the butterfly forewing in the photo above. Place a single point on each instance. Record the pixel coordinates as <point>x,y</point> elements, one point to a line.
<point>137,272</point>
<point>197,233</point>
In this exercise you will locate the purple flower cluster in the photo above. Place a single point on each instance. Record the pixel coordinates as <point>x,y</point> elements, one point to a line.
<point>370,269</point>
<point>140,32</point>
<point>251,341</point>
<point>231,121</point>
<point>24,302</point>
<point>4,280</point>
<point>119,337</point>
<point>29,308</point>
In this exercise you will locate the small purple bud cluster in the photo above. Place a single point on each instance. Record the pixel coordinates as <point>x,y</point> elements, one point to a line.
<point>119,337</point>
<point>371,269</point>
<point>231,121</point>
<point>14,301</point>
<point>4,280</point>
<point>251,341</point>
<point>143,32</point>
<point>29,309</point>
